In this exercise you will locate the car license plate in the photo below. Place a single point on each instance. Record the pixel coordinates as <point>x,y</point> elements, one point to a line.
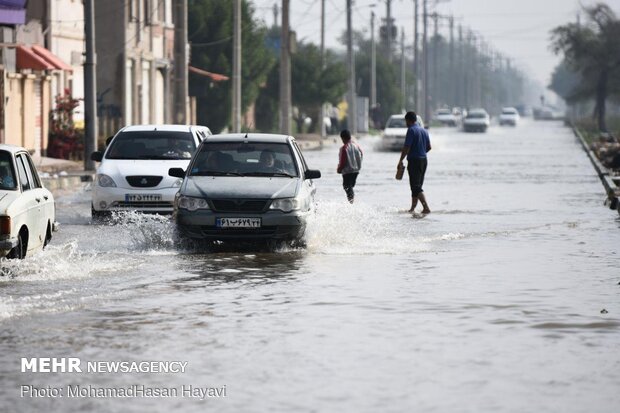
<point>142,197</point>
<point>238,222</point>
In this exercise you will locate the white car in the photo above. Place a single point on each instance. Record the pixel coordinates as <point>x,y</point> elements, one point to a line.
<point>393,136</point>
<point>477,120</point>
<point>446,117</point>
<point>27,210</point>
<point>133,174</point>
<point>509,116</point>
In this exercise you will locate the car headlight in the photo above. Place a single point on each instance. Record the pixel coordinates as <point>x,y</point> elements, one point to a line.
<point>191,203</point>
<point>177,183</point>
<point>289,204</point>
<point>105,181</point>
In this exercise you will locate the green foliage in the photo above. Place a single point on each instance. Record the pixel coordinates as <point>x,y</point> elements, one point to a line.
<point>591,49</point>
<point>311,86</point>
<point>210,28</point>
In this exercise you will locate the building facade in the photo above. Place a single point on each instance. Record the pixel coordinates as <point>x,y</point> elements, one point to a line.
<point>135,51</point>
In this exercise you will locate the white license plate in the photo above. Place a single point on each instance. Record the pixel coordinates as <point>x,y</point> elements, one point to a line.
<point>238,222</point>
<point>142,197</point>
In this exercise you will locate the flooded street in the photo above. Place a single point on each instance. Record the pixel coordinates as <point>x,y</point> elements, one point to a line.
<point>490,303</point>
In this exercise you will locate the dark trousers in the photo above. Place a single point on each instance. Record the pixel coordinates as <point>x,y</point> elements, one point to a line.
<point>417,169</point>
<point>348,182</point>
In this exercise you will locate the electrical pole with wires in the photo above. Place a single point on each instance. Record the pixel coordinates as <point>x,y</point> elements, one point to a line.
<point>236,75</point>
<point>90,86</point>
<point>285,72</point>
<point>352,109</point>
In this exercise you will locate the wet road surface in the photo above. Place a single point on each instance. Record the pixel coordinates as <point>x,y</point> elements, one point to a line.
<point>491,303</point>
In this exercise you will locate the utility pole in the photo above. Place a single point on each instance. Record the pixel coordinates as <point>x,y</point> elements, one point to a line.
<point>352,109</point>
<point>451,85</point>
<point>285,72</point>
<point>322,111</point>
<point>416,58</point>
<point>389,29</point>
<point>435,85</point>
<point>275,14</point>
<point>180,62</point>
<point>90,86</point>
<point>425,58</point>
<point>403,86</point>
<point>236,77</point>
<point>373,62</point>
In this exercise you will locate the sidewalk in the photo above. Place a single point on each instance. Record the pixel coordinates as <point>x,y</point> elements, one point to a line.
<point>61,173</point>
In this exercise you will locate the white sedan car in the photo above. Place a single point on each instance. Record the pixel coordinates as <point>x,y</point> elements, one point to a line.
<point>509,116</point>
<point>477,120</point>
<point>393,136</point>
<point>27,210</point>
<point>133,174</point>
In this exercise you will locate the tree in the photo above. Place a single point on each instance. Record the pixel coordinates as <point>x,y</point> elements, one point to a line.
<point>592,51</point>
<point>210,27</point>
<point>311,86</point>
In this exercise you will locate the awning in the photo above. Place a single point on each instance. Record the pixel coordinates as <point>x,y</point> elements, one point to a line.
<point>27,59</point>
<point>51,58</point>
<point>213,76</point>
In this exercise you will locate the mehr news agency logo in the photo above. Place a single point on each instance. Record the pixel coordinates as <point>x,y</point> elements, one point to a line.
<point>75,365</point>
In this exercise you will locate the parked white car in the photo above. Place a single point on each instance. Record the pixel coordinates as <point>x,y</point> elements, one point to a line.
<point>447,117</point>
<point>393,136</point>
<point>477,120</point>
<point>27,210</point>
<point>133,174</point>
<point>509,116</point>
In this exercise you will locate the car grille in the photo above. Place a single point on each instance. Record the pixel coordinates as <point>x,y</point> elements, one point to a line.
<point>143,204</point>
<point>239,205</point>
<point>144,181</point>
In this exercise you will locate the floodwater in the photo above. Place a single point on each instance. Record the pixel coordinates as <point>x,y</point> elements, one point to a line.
<point>494,302</point>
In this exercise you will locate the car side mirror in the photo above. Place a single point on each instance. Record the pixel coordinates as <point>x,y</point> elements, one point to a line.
<point>312,174</point>
<point>96,156</point>
<point>176,172</point>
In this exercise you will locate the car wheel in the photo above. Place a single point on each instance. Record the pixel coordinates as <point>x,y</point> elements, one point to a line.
<point>98,217</point>
<point>19,252</point>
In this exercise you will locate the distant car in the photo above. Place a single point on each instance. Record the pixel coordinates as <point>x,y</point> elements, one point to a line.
<point>27,210</point>
<point>477,120</point>
<point>133,174</point>
<point>509,116</point>
<point>245,187</point>
<point>446,117</point>
<point>393,136</point>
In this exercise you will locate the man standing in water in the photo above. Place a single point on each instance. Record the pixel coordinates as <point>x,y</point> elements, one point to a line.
<point>417,144</point>
<point>349,163</point>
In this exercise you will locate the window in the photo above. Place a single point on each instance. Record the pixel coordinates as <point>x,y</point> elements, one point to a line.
<point>36,182</point>
<point>23,175</point>
<point>152,145</point>
<point>7,172</point>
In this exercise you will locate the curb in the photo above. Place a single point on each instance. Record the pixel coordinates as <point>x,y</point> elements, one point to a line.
<point>66,181</point>
<point>602,172</point>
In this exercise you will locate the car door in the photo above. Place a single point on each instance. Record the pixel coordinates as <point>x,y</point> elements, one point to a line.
<point>308,183</point>
<point>31,211</point>
<point>47,211</point>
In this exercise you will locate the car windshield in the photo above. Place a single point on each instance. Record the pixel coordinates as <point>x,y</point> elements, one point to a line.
<point>244,159</point>
<point>509,112</point>
<point>152,145</point>
<point>396,123</point>
<point>476,115</point>
<point>444,112</point>
<point>7,174</point>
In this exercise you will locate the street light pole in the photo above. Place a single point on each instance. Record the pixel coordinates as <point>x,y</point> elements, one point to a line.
<point>352,109</point>
<point>90,86</point>
<point>285,73</point>
<point>416,58</point>
<point>236,92</point>
<point>425,58</point>
<point>373,62</point>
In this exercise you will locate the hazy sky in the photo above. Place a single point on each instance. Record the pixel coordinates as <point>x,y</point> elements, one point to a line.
<point>518,29</point>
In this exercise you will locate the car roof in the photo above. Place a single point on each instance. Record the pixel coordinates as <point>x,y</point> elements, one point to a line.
<point>11,148</point>
<point>249,137</point>
<point>160,127</point>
